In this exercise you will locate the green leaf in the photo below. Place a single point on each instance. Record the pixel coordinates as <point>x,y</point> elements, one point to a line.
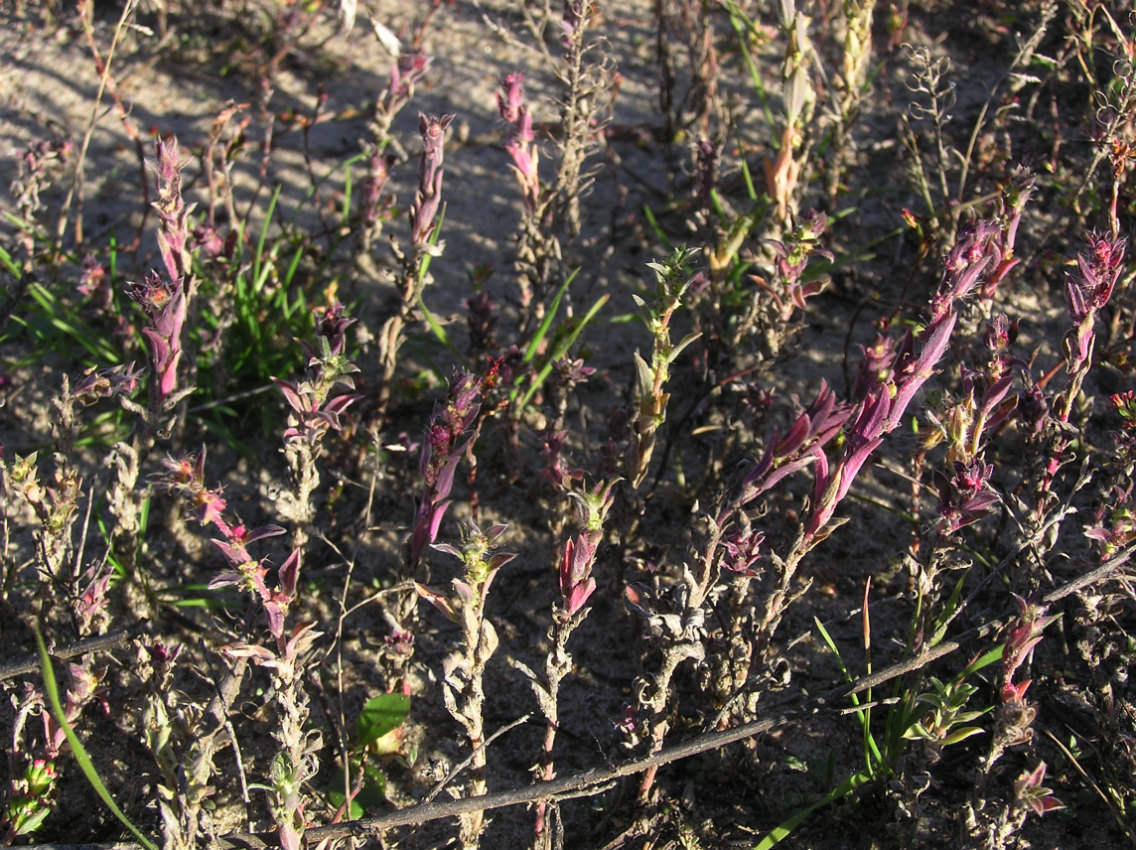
<point>962,734</point>
<point>9,264</point>
<point>538,338</point>
<point>260,269</point>
<point>26,824</point>
<point>440,332</point>
<point>561,349</point>
<point>336,797</point>
<point>381,714</point>
<point>985,660</point>
<point>653,223</point>
<point>371,796</point>
<point>678,349</point>
<point>948,612</point>
<point>374,791</point>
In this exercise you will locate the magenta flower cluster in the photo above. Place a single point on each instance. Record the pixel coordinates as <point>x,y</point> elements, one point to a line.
<point>448,437</point>
<point>579,554</point>
<point>519,139</point>
<point>164,303</point>
<point>428,199</point>
<point>186,476</point>
<point>315,410</point>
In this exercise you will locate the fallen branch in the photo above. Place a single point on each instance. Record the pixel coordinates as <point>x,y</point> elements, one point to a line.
<point>100,643</point>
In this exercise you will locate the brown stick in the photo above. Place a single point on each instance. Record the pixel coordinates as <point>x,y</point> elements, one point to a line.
<point>100,643</point>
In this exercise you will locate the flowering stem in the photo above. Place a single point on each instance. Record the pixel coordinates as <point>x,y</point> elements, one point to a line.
<point>424,231</point>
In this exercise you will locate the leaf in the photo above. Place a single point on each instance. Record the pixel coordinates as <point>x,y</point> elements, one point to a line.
<point>962,734</point>
<point>336,797</point>
<point>374,791</point>
<point>372,795</point>
<point>438,599</point>
<point>380,715</point>
<point>562,347</point>
<point>538,338</point>
<point>645,377</point>
<point>678,349</point>
<point>785,829</point>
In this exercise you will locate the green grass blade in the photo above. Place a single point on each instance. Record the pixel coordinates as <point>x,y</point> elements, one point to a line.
<point>440,333</point>
<point>871,748</point>
<point>948,612</point>
<point>10,265</point>
<point>785,829</point>
<point>835,652</point>
<point>77,748</point>
<point>550,316</point>
<point>112,263</point>
<point>345,216</point>
<point>311,192</point>
<point>290,274</point>
<point>751,189</point>
<point>259,268</point>
<point>561,350</point>
<point>435,234</point>
<point>984,660</point>
<point>653,223</point>
<point>67,323</point>
<point>745,30</point>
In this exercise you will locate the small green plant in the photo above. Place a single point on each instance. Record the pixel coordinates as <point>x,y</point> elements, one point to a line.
<point>673,279</point>
<point>939,717</point>
<point>379,736</point>
<point>265,310</point>
<point>29,800</point>
<point>548,347</point>
<point>463,682</point>
<point>943,715</point>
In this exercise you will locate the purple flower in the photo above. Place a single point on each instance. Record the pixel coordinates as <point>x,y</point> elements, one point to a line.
<point>428,198</point>
<point>106,383</point>
<point>576,583</point>
<point>510,100</point>
<point>741,550</point>
<point>519,141</point>
<point>94,282</point>
<point>1029,792</point>
<point>165,306</point>
<point>965,497</point>
<point>405,73</point>
<point>173,214</point>
<point>579,554</point>
<point>1098,270</point>
<point>800,446</point>
<point>447,439</point>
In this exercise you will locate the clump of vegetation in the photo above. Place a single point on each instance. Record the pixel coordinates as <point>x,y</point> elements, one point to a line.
<point>748,441</point>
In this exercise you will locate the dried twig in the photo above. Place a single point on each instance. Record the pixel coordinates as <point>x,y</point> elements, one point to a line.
<point>101,643</point>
